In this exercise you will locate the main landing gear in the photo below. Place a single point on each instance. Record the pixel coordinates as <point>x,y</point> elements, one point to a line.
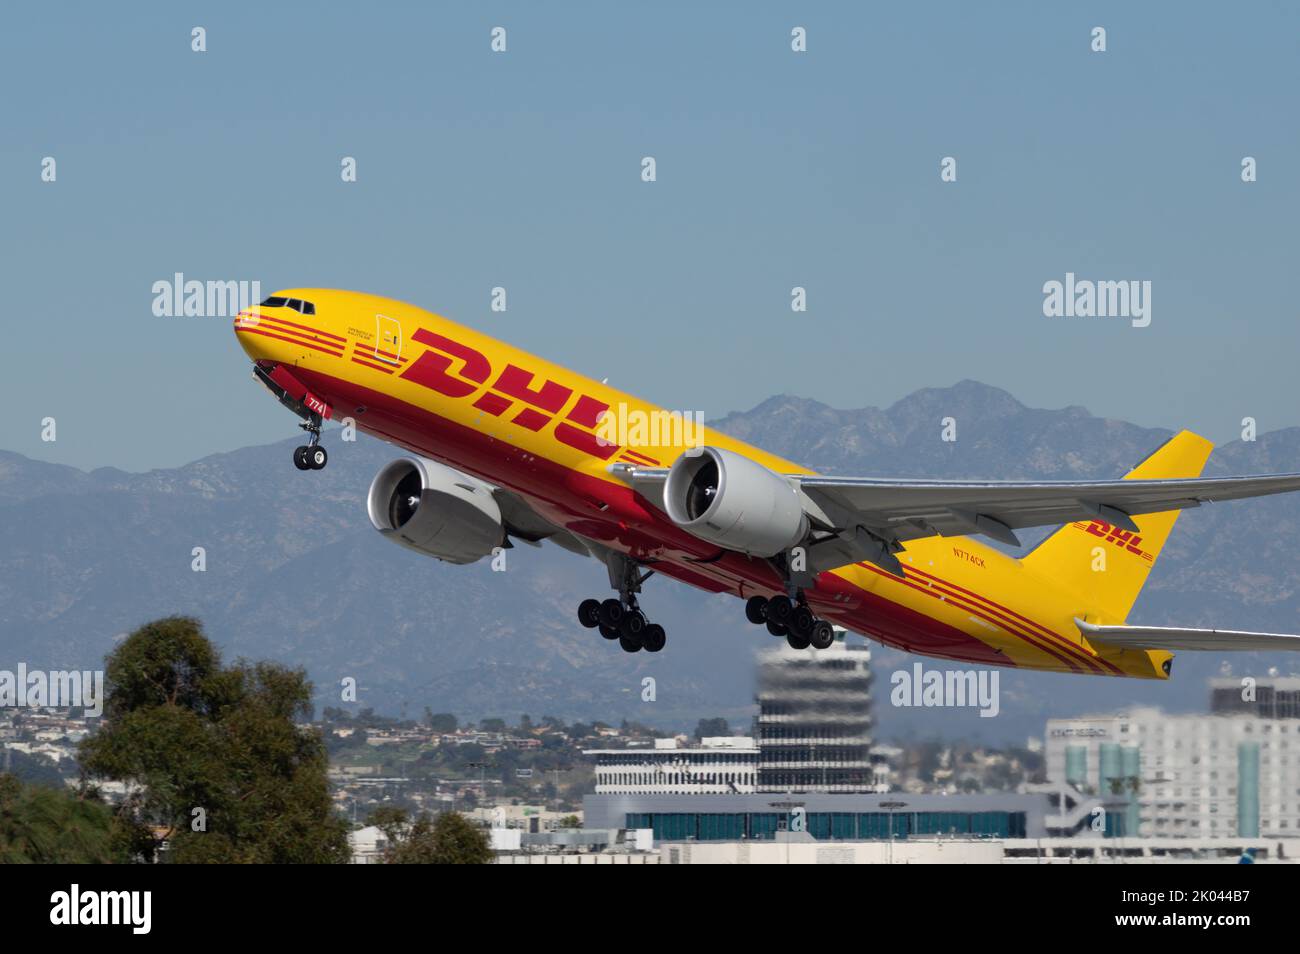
<point>311,456</point>
<point>791,619</point>
<point>622,618</point>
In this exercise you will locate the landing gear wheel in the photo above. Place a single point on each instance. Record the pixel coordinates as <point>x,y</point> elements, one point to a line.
<point>654,638</point>
<point>802,621</point>
<point>780,609</point>
<point>822,635</point>
<point>796,641</point>
<point>622,618</point>
<point>311,456</point>
<point>589,613</point>
<point>756,610</point>
<point>634,625</point>
<point>612,613</point>
<point>776,629</point>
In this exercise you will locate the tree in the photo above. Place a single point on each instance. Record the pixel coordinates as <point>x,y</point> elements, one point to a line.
<point>492,725</point>
<point>34,769</point>
<point>42,825</point>
<point>216,764</point>
<point>442,722</point>
<point>711,728</point>
<point>449,839</point>
<point>391,820</point>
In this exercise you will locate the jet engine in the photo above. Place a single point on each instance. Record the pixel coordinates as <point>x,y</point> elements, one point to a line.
<point>435,510</point>
<point>727,499</point>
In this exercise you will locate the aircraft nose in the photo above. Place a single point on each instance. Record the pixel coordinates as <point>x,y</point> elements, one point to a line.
<point>245,323</point>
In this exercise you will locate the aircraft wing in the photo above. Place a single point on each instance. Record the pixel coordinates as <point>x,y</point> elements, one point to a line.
<point>897,510</point>
<point>1178,638</point>
<point>907,509</point>
<point>869,518</point>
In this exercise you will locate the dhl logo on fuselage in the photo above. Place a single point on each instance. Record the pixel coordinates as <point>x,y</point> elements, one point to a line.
<point>1124,539</point>
<point>457,370</point>
<point>433,369</point>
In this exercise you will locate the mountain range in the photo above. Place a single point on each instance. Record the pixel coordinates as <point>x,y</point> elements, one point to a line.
<point>295,573</point>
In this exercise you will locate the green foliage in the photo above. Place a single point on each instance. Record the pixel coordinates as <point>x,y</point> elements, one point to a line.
<point>443,722</point>
<point>712,728</point>
<point>389,819</point>
<point>41,825</point>
<point>448,839</point>
<point>218,767</point>
<point>166,662</point>
<point>34,769</point>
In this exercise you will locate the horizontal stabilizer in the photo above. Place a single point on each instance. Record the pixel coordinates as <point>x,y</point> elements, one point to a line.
<point>1178,638</point>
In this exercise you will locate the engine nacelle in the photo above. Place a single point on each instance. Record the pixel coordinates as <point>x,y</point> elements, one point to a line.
<point>727,499</point>
<point>435,510</point>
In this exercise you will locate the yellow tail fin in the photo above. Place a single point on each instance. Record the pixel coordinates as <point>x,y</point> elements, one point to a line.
<point>1107,566</point>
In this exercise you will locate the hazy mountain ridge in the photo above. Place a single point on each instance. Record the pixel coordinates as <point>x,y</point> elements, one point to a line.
<point>294,571</point>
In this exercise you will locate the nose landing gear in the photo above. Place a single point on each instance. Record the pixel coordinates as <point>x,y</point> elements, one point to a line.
<point>311,456</point>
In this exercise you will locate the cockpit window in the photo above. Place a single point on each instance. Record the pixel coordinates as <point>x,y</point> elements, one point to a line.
<point>297,304</point>
<point>300,306</point>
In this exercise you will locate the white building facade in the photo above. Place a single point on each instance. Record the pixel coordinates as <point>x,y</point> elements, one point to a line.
<point>1188,776</point>
<point>725,765</point>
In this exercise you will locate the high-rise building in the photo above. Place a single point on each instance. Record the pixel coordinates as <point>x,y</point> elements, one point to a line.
<point>814,724</point>
<point>1231,774</point>
<point>1271,698</point>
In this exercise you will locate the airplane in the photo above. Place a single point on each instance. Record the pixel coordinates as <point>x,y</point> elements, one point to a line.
<point>507,447</point>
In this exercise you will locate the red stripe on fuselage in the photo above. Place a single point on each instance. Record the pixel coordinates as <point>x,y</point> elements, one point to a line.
<point>371,364</point>
<point>640,458</point>
<point>296,339</point>
<point>340,341</point>
<point>943,594</point>
<point>1030,625</point>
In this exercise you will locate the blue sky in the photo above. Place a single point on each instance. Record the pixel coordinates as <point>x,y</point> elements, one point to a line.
<point>775,169</point>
